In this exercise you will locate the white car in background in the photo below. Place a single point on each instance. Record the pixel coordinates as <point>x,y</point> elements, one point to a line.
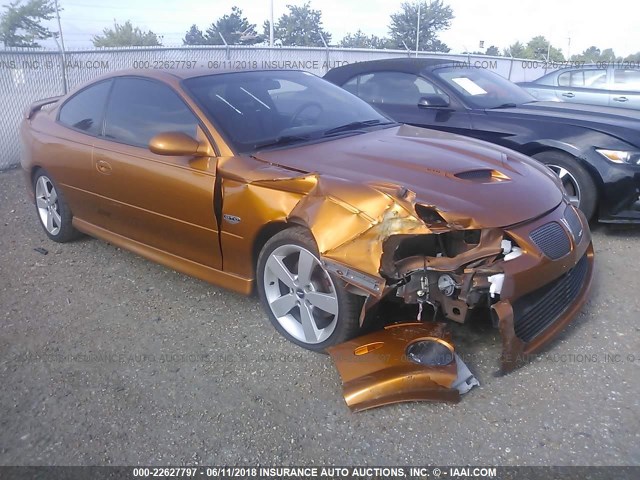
<point>616,84</point>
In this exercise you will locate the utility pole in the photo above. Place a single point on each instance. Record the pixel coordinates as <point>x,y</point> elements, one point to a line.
<point>548,52</point>
<point>59,26</point>
<point>271,27</point>
<point>418,28</point>
<point>63,50</point>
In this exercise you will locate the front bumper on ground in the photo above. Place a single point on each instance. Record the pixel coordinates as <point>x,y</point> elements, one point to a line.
<point>382,368</point>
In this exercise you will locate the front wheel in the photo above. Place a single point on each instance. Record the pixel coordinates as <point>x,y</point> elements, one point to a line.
<point>575,179</point>
<point>307,304</point>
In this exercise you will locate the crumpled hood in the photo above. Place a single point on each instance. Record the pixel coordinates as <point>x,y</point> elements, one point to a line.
<point>464,178</point>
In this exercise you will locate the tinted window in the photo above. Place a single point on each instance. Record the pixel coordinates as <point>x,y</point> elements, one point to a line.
<point>140,109</point>
<point>390,87</point>
<point>255,109</point>
<point>84,110</point>
<point>626,80</point>
<point>583,79</point>
<point>482,88</point>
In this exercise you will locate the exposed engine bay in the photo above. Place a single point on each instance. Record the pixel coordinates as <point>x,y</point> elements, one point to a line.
<point>452,272</point>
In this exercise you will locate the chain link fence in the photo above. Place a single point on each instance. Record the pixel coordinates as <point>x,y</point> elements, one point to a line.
<point>30,75</point>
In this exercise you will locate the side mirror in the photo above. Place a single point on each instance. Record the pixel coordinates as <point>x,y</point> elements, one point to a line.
<point>177,144</point>
<point>433,100</point>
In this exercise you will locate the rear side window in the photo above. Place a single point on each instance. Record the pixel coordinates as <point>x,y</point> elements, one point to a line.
<point>84,110</point>
<point>140,109</point>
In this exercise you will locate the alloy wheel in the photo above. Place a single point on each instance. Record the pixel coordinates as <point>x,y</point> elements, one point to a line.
<point>301,294</point>
<point>48,206</point>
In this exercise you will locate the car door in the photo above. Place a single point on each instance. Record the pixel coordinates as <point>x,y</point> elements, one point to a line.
<point>625,89</point>
<point>79,123</point>
<point>163,202</point>
<point>398,95</point>
<point>586,86</point>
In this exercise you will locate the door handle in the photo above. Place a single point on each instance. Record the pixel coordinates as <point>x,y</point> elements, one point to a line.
<point>568,95</point>
<point>103,167</point>
<point>620,99</point>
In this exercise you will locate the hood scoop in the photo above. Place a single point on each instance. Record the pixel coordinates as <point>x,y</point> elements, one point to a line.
<point>483,175</point>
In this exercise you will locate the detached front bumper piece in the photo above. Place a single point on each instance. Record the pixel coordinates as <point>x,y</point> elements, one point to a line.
<point>402,363</point>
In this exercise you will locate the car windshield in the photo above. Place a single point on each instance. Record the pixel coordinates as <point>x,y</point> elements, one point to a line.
<point>482,88</point>
<point>263,109</point>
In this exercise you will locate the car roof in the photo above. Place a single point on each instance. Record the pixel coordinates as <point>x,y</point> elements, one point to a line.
<point>598,66</point>
<point>401,64</point>
<point>180,74</point>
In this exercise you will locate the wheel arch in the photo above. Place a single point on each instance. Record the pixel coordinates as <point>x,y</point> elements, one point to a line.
<point>266,232</point>
<point>536,148</point>
<point>33,171</point>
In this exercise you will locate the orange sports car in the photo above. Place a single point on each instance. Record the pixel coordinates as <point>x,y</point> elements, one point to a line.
<point>281,181</point>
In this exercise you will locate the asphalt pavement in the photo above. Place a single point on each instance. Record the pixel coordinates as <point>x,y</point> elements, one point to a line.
<point>109,359</point>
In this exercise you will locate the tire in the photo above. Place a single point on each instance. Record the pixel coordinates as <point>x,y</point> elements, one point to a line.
<point>295,306</point>
<point>52,209</point>
<point>576,180</point>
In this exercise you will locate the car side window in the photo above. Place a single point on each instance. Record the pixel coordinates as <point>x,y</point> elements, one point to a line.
<point>140,109</point>
<point>626,80</point>
<point>596,78</point>
<point>85,109</point>
<point>391,87</point>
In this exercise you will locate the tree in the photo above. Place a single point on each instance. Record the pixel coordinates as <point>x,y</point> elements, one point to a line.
<point>20,23</point>
<point>126,35</point>
<point>515,50</point>
<point>194,36</point>
<point>538,48</point>
<point>607,55</point>
<point>361,40</point>
<point>634,57</point>
<point>493,50</point>
<point>434,18</point>
<point>593,55</point>
<point>235,29</point>
<point>302,26</point>
<point>590,55</point>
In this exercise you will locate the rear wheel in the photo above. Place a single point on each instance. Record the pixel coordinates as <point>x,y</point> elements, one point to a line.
<point>307,304</point>
<point>53,211</point>
<point>575,179</point>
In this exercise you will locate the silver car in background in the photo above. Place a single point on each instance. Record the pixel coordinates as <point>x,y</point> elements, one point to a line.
<point>613,84</point>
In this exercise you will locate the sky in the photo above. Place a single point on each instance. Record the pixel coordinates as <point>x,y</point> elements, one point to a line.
<point>572,25</point>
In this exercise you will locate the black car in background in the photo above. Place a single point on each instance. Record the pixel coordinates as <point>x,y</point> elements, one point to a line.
<point>594,150</point>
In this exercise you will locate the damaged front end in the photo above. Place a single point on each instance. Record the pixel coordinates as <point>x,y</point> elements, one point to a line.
<point>531,278</point>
